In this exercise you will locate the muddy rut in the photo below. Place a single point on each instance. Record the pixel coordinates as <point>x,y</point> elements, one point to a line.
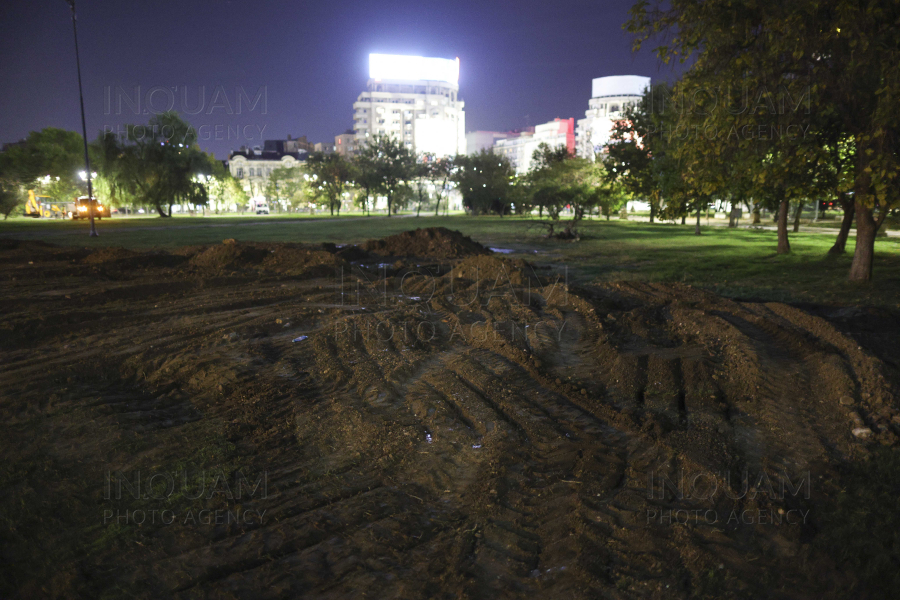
<point>469,428</point>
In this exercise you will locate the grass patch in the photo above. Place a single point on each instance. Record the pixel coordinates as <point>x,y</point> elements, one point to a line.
<point>739,263</point>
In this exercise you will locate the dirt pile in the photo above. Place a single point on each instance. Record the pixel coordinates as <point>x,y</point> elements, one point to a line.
<point>432,242</point>
<point>434,437</point>
<point>289,260</point>
<point>494,270</point>
<point>228,254</point>
<point>110,254</point>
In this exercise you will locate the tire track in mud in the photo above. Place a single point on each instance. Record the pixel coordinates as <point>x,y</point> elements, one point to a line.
<point>521,459</point>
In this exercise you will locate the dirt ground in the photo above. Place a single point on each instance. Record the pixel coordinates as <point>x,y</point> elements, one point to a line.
<point>278,421</point>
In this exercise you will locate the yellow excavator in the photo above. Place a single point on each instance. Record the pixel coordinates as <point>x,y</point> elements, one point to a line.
<point>46,207</point>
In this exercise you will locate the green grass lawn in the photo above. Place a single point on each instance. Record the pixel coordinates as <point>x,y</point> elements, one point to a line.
<point>739,263</point>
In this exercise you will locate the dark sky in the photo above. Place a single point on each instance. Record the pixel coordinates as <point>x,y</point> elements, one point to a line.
<point>521,63</point>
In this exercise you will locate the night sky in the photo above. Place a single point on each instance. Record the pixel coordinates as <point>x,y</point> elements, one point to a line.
<point>521,63</point>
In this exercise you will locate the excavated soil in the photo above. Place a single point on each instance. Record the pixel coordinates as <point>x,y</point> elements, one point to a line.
<point>432,242</point>
<point>289,424</point>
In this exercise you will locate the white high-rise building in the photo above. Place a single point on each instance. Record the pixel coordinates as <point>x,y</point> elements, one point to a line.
<point>519,149</point>
<point>413,99</point>
<point>609,98</point>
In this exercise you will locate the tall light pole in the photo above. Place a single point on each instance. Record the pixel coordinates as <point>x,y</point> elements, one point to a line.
<point>87,159</point>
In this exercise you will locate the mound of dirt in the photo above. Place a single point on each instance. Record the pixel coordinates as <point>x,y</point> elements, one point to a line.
<point>105,255</point>
<point>493,269</point>
<point>228,254</point>
<point>432,242</point>
<point>291,260</point>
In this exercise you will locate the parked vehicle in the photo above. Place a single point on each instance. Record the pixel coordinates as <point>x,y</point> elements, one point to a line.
<point>84,206</point>
<point>259,206</point>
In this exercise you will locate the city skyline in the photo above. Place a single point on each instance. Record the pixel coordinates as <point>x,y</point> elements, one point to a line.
<point>287,70</point>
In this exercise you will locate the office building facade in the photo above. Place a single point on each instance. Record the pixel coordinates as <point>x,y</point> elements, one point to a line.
<point>415,100</point>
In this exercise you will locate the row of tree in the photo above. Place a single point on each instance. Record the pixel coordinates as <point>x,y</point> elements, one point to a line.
<point>160,164</point>
<point>387,168</point>
<point>782,102</point>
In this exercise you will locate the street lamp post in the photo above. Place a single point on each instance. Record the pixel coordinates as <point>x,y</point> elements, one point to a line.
<point>87,160</point>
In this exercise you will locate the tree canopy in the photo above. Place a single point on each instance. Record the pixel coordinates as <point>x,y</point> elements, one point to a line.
<point>485,181</point>
<point>773,85</point>
<point>389,168</point>
<point>157,164</point>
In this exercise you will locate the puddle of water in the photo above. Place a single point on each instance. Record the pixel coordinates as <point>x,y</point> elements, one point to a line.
<point>476,446</point>
<point>428,438</point>
<point>502,250</point>
<point>300,339</point>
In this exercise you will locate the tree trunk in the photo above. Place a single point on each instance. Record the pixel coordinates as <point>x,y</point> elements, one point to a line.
<point>437,206</point>
<point>697,227</point>
<point>846,223</point>
<point>652,212</point>
<point>390,205</point>
<point>797,217</point>
<point>863,256</point>
<point>756,216</point>
<point>784,245</point>
<point>684,218</point>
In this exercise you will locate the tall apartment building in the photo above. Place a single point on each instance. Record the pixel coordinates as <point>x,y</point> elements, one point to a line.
<point>610,96</point>
<point>413,99</point>
<point>518,150</point>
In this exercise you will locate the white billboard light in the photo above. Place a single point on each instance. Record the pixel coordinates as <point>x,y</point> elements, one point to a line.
<point>619,85</point>
<point>413,68</point>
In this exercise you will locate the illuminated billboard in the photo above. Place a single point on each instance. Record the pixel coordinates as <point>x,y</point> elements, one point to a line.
<point>619,85</point>
<point>413,68</point>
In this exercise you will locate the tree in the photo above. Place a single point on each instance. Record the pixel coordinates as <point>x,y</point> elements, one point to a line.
<point>559,180</point>
<point>223,190</point>
<point>286,185</point>
<point>485,181</point>
<point>439,173</point>
<point>635,143</point>
<point>157,163</point>
<point>51,151</point>
<point>420,173</point>
<point>365,177</point>
<point>838,60</point>
<point>11,196</point>
<point>332,175</point>
<point>392,167</point>
<point>48,162</point>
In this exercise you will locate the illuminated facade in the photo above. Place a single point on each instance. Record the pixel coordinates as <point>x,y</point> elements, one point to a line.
<point>253,166</point>
<point>413,99</point>
<point>610,96</point>
<point>518,150</point>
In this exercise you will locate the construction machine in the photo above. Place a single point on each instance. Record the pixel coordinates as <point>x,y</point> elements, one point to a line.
<point>46,207</point>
